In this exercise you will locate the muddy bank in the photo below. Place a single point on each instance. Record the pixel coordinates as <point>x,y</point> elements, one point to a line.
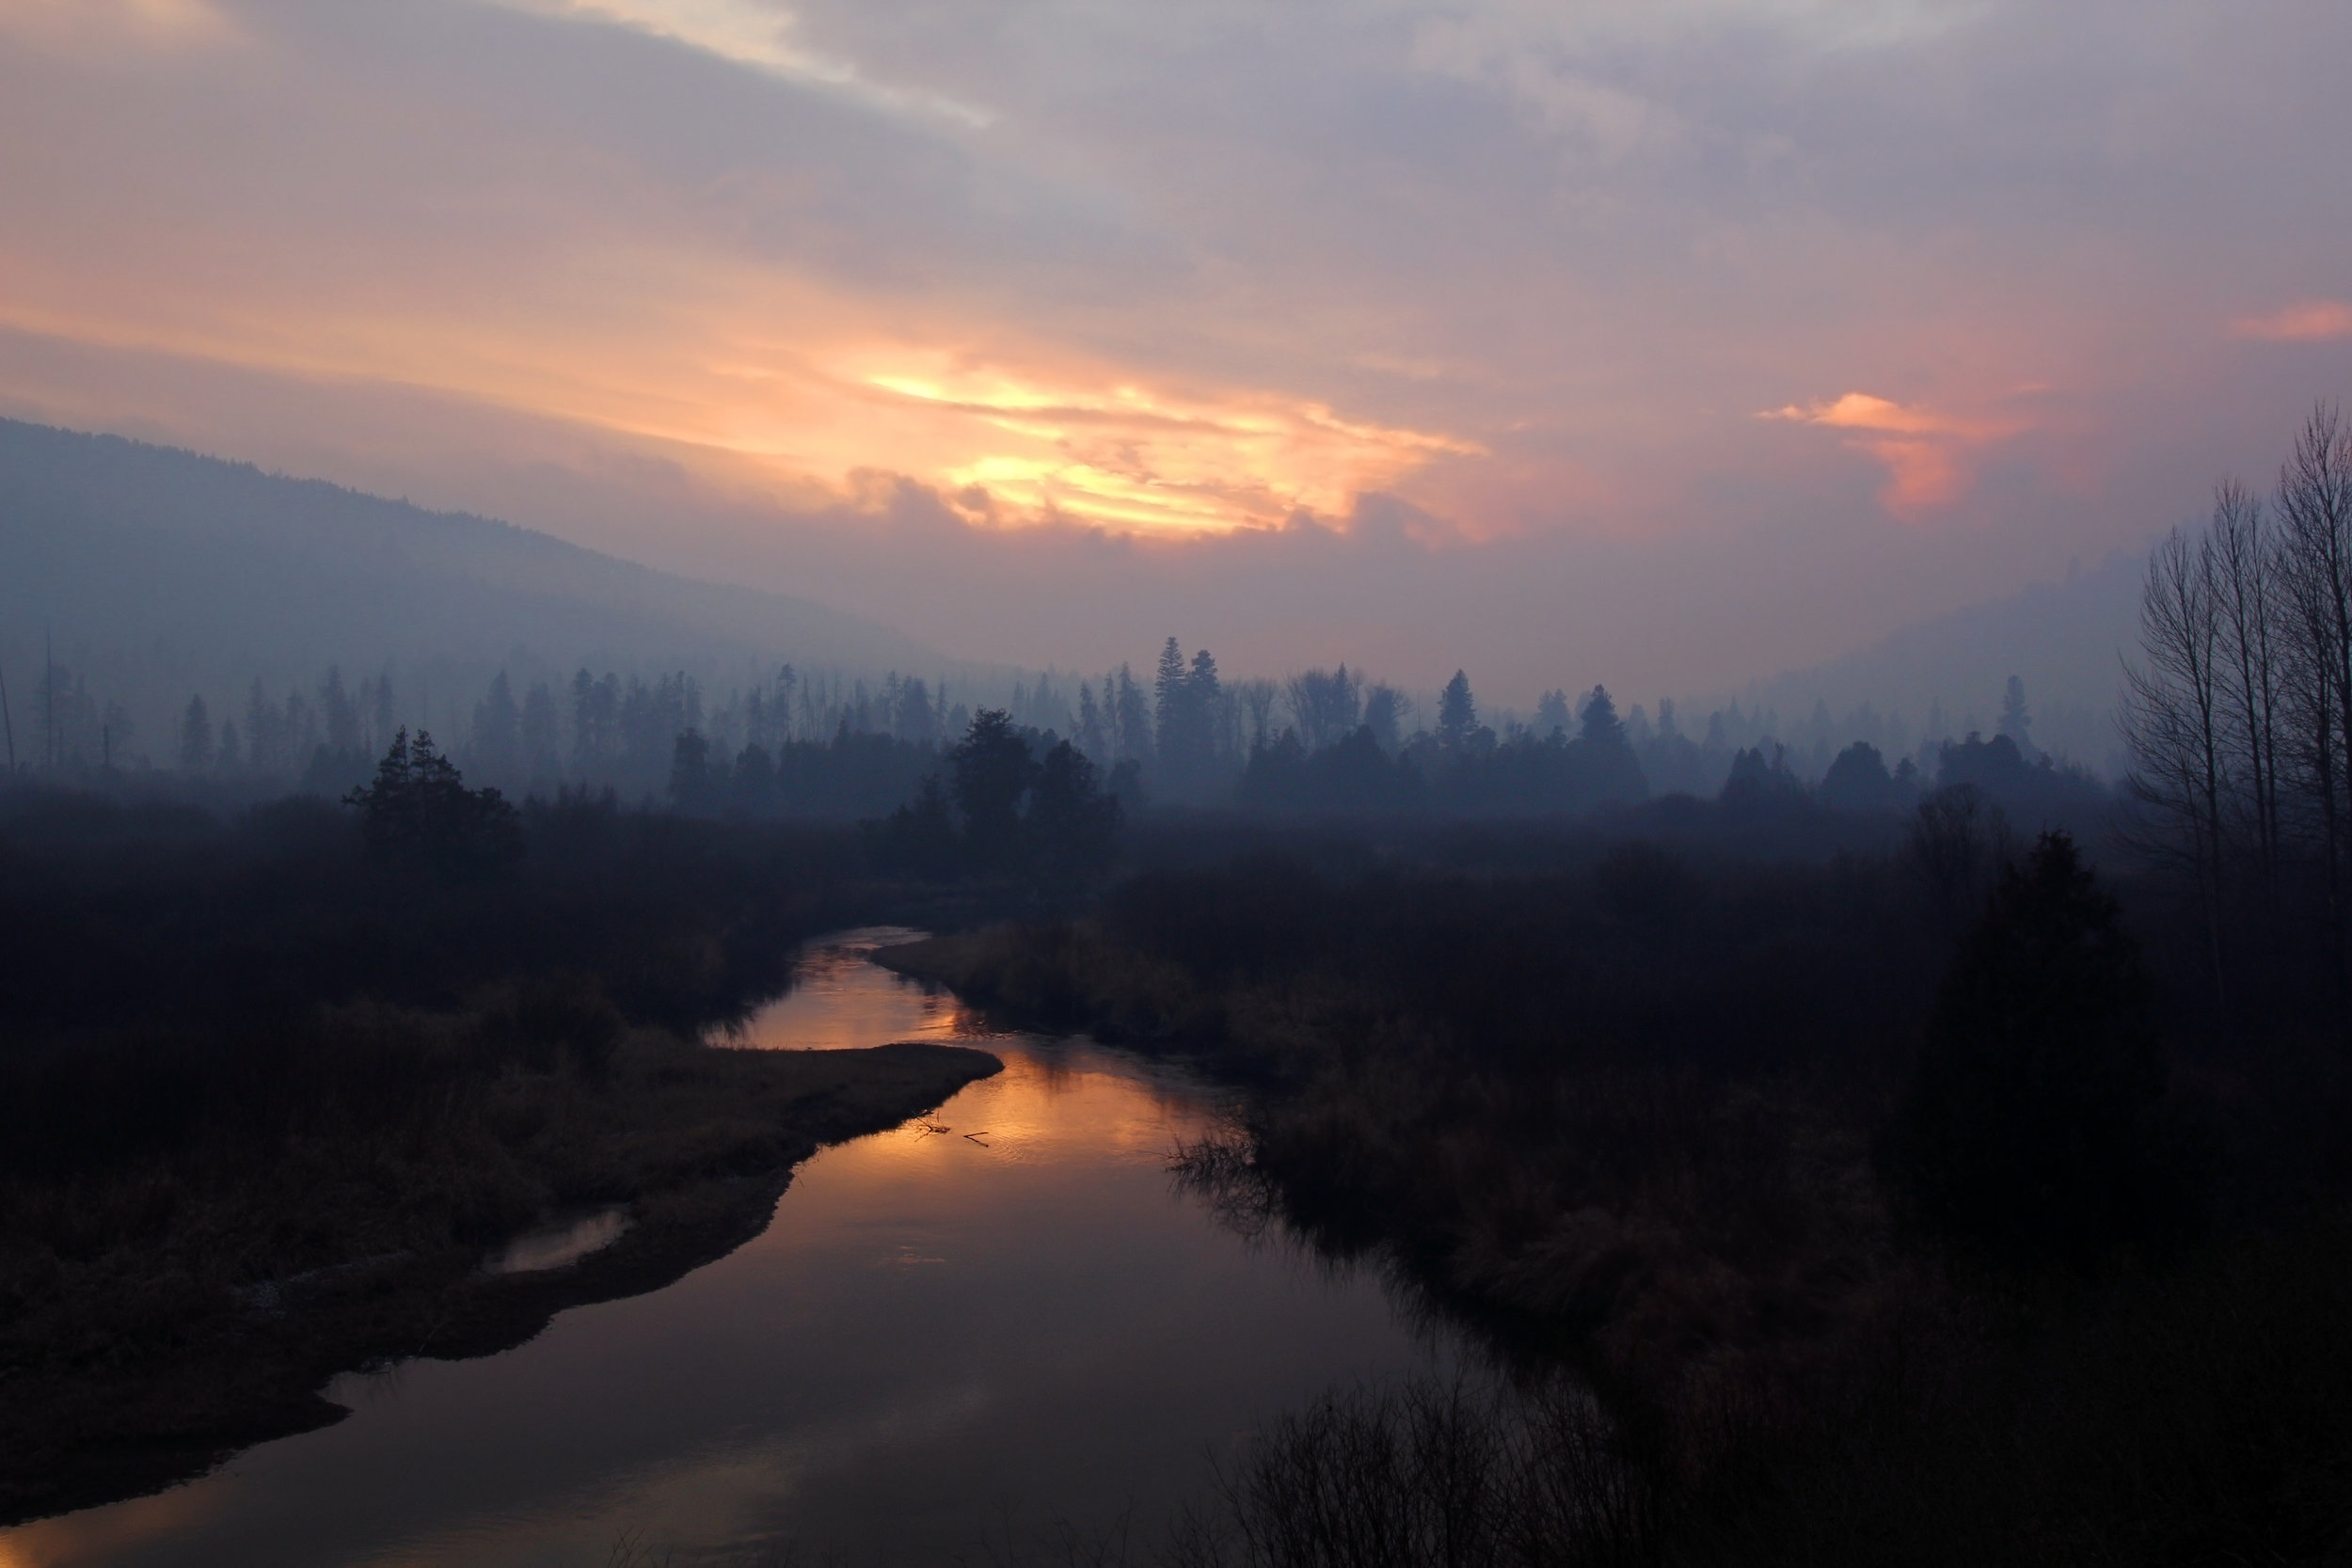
<point>156,1323</point>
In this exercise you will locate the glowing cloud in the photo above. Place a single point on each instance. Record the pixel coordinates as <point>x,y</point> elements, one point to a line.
<point>2316,321</point>
<point>1924,450</point>
<point>1129,458</point>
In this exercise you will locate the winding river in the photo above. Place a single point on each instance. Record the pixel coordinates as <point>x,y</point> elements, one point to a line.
<point>995,1328</point>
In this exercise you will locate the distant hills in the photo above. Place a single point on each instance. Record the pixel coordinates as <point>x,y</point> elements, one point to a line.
<point>161,572</point>
<point>2065,640</point>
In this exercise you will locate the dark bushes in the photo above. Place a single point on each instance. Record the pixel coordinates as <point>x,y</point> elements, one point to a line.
<point>419,814</point>
<point>169,976</point>
<point>1441,1475</point>
<point>2030,1132</point>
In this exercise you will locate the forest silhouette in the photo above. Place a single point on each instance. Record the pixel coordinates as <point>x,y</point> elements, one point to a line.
<point>1901,1151</point>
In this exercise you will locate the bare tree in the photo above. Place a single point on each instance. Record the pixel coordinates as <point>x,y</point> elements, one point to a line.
<point>2315,511</point>
<point>1326,704</point>
<point>1955,845</point>
<point>2173,720</point>
<point>1257,699</point>
<point>2243,564</point>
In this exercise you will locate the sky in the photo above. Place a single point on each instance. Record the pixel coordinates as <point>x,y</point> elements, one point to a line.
<point>1667,343</point>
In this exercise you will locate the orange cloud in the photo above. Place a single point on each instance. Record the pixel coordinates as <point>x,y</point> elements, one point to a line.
<point>824,390</point>
<point>96,24</point>
<point>1130,457</point>
<point>2313,322</point>
<point>1925,452</point>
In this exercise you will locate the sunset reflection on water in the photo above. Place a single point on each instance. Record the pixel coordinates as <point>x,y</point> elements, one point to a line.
<point>946,1341</point>
<point>839,1002</point>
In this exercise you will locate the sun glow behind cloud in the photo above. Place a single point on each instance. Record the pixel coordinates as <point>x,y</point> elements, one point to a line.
<point>794,378</point>
<point>1128,457</point>
<point>1527,271</point>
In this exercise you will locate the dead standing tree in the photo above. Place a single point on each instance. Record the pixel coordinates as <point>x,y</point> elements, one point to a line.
<point>2315,512</point>
<point>2173,722</point>
<point>2246,574</point>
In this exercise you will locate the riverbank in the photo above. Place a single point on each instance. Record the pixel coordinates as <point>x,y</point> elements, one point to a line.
<point>1625,1119</point>
<point>161,1315</point>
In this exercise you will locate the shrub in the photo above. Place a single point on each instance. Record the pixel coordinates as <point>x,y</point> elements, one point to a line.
<point>2031,1129</point>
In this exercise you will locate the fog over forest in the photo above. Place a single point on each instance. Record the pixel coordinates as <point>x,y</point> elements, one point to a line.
<point>311,621</point>
<point>1446,784</point>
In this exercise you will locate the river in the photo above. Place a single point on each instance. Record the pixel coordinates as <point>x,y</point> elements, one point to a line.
<point>950,1345</point>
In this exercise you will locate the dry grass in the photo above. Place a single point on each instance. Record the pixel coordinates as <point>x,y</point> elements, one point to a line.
<point>136,1347</point>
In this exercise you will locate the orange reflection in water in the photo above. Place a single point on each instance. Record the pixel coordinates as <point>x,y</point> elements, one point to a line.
<point>837,1004</point>
<point>946,1343</point>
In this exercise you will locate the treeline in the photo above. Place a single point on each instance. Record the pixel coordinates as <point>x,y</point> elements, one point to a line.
<point>274,1081</point>
<point>2239,718</point>
<point>1353,748</point>
<point>1887,1206</point>
<point>1011,802</point>
<point>174,918</point>
<point>823,747</point>
<point>836,748</point>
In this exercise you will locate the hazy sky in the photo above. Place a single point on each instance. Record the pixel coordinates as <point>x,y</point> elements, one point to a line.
<point>1660,343</point>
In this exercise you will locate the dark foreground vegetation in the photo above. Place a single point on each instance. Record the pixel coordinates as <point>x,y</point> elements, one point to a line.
<point>1973,1190</point>
<point>1891,1169</point>
<point>273,1088</point>
<point>1906,1204</point>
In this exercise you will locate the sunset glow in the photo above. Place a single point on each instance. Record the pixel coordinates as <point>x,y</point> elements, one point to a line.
<point>1512,285</point>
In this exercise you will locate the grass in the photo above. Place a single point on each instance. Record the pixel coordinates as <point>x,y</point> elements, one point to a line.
<point>1619,1121</point>
<point>160,1313</point>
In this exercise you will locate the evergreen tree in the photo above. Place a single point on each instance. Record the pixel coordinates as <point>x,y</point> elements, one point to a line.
<point>419,813</point>
<point>2030,1131</point>
<point>1072,822</point>
<point>1597,723</point>
<point>1384,711</point>
<point>195,738</point>
<point>690,772</point>
<point>1130,717</point>
<point>1204,705</point>
<point>1169,693</point>
<point>1090,733</point>
<point>2016,722</point>
<point>990,773</point>
<point>497,729</point>
<point>1605,770</point>
<point>1457,713</point>
<point>542,738</point>
<point>339,713</point>
<point>1857,779</point>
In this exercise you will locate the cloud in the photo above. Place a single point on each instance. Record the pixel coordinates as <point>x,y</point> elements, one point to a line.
<point>752,33</point>
<point>1524,269</point>
<point>1926,452</point>
<point>1126,456</point>
<point>2314,321</point>
<point>106,23</point>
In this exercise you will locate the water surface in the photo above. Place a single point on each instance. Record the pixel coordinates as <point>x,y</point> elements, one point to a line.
<point>947,1343</point>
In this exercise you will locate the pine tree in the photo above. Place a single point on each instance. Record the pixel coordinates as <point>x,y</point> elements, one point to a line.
<point>1169,693</point>
<point>418,814</point>
<point>1457,713</point>
<point>2016,722</point>
<point>195,738</point>
<point>2030,1132</point>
